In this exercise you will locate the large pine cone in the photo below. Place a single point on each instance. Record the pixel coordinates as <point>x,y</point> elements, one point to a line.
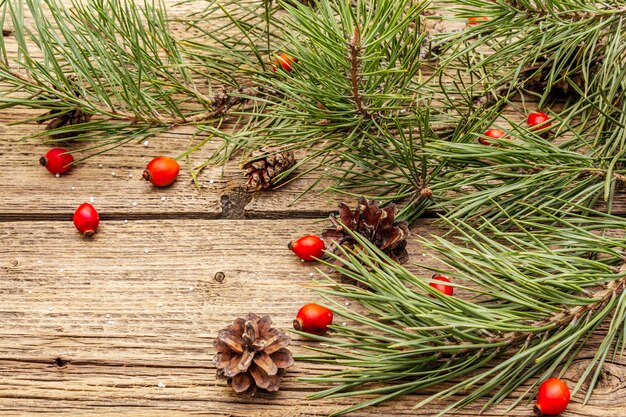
<point>265,164</point>
<point>375,224</point>
<point>251,354</point>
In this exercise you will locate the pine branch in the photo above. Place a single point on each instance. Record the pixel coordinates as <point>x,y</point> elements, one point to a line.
<point>524,311</point>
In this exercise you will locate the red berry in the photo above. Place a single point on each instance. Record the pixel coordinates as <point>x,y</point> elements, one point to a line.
<point>86,219</point>
<point>473,21</point>
<point>446,289</point>
<point>552,398</point>
<point>161,171</point>
<point>492,133</point>
<point>313,318</point>
<point>285,61</point>
<point>538,120</point>
<point>57,160</point>
<point>308,247</point>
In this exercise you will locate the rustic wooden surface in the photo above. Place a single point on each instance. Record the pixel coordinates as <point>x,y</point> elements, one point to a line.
<point>122,324</point>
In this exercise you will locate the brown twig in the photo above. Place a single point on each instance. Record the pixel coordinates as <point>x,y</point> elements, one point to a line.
<point>355,48</point>
<point>567,316</point>
<point>220,104</point>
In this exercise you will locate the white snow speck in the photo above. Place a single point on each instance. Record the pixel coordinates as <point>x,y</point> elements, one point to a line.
<point>61,270</point>
<point>160,304</point>
<point>73,188</point>
<point>125,221</point>
<point>311,274</point>
<point>190,288</point>
<point>38,262</point>
<point>344,324</point>
<point>211,181</point>
<point>57,175</point>
<point>92,200</point>
<point>134,203</point>
<point>146,143</point>
<point>99,165</point>
<point>111,323</point>
<point>107,316</point>
<point>30,292</point>
<point>146,250</point>
<point>347,303</point>
<point>113,174</point>
<point>49,308</point>
<point>162,385</point>
<point>162,198</point>
<point>423,255</point>
<point>325,169</point>
<point>130,175</point>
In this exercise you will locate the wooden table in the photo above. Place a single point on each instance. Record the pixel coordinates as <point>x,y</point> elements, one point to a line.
<point>123,324</point>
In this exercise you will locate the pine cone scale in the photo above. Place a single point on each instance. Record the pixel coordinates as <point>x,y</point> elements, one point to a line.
<point>282,358</point>
<point>241,382</point>
<point>265,362</point>
<point>233,341</point>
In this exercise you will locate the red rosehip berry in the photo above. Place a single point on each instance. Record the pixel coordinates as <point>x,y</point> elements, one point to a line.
<point>446,289</point>
<point>491,133</point>
<point>313,318</point>
<point>538,120</point>
<point>473,21</point>
<point>57,160</point>
<point>308,247</point>
<point>285,61</point>
<point>161,171</point>
<point>86,219</point>
<point>552,398</point>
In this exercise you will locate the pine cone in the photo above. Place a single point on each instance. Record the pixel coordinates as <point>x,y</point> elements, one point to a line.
<point>375,224</point>
<point>251,354</point>
<point>265,164</point>
<point>62,119</point>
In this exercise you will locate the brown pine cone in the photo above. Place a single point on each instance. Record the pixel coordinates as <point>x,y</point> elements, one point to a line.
<point>375,224</point>
<point>251,354</point>
<point>265,164</point>
<point>62,119</point>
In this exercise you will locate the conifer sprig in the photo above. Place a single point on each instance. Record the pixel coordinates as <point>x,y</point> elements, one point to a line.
<point>112,60</point>
<point>525,299</point>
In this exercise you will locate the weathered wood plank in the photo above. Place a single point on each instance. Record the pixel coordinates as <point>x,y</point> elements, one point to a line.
<point>113,179</point>
<point>98,324</point>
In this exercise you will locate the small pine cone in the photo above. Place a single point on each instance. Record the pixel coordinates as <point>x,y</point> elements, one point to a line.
<point>62,119</point>
<point>264,165</point>
<point>251,354</point>
<point>375,224</point>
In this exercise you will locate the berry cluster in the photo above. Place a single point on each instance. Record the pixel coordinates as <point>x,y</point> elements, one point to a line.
<point>161,172</point>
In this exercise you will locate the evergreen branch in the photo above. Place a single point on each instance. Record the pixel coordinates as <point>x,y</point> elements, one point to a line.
<point>524,311</point>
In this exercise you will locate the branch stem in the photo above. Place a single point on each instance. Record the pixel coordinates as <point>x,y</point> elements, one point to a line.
<point>355,49</point>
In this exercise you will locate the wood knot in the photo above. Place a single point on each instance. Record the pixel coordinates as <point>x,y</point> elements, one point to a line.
<point>219,277</point>
<point>60,362</point>
<point>234,202</point>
